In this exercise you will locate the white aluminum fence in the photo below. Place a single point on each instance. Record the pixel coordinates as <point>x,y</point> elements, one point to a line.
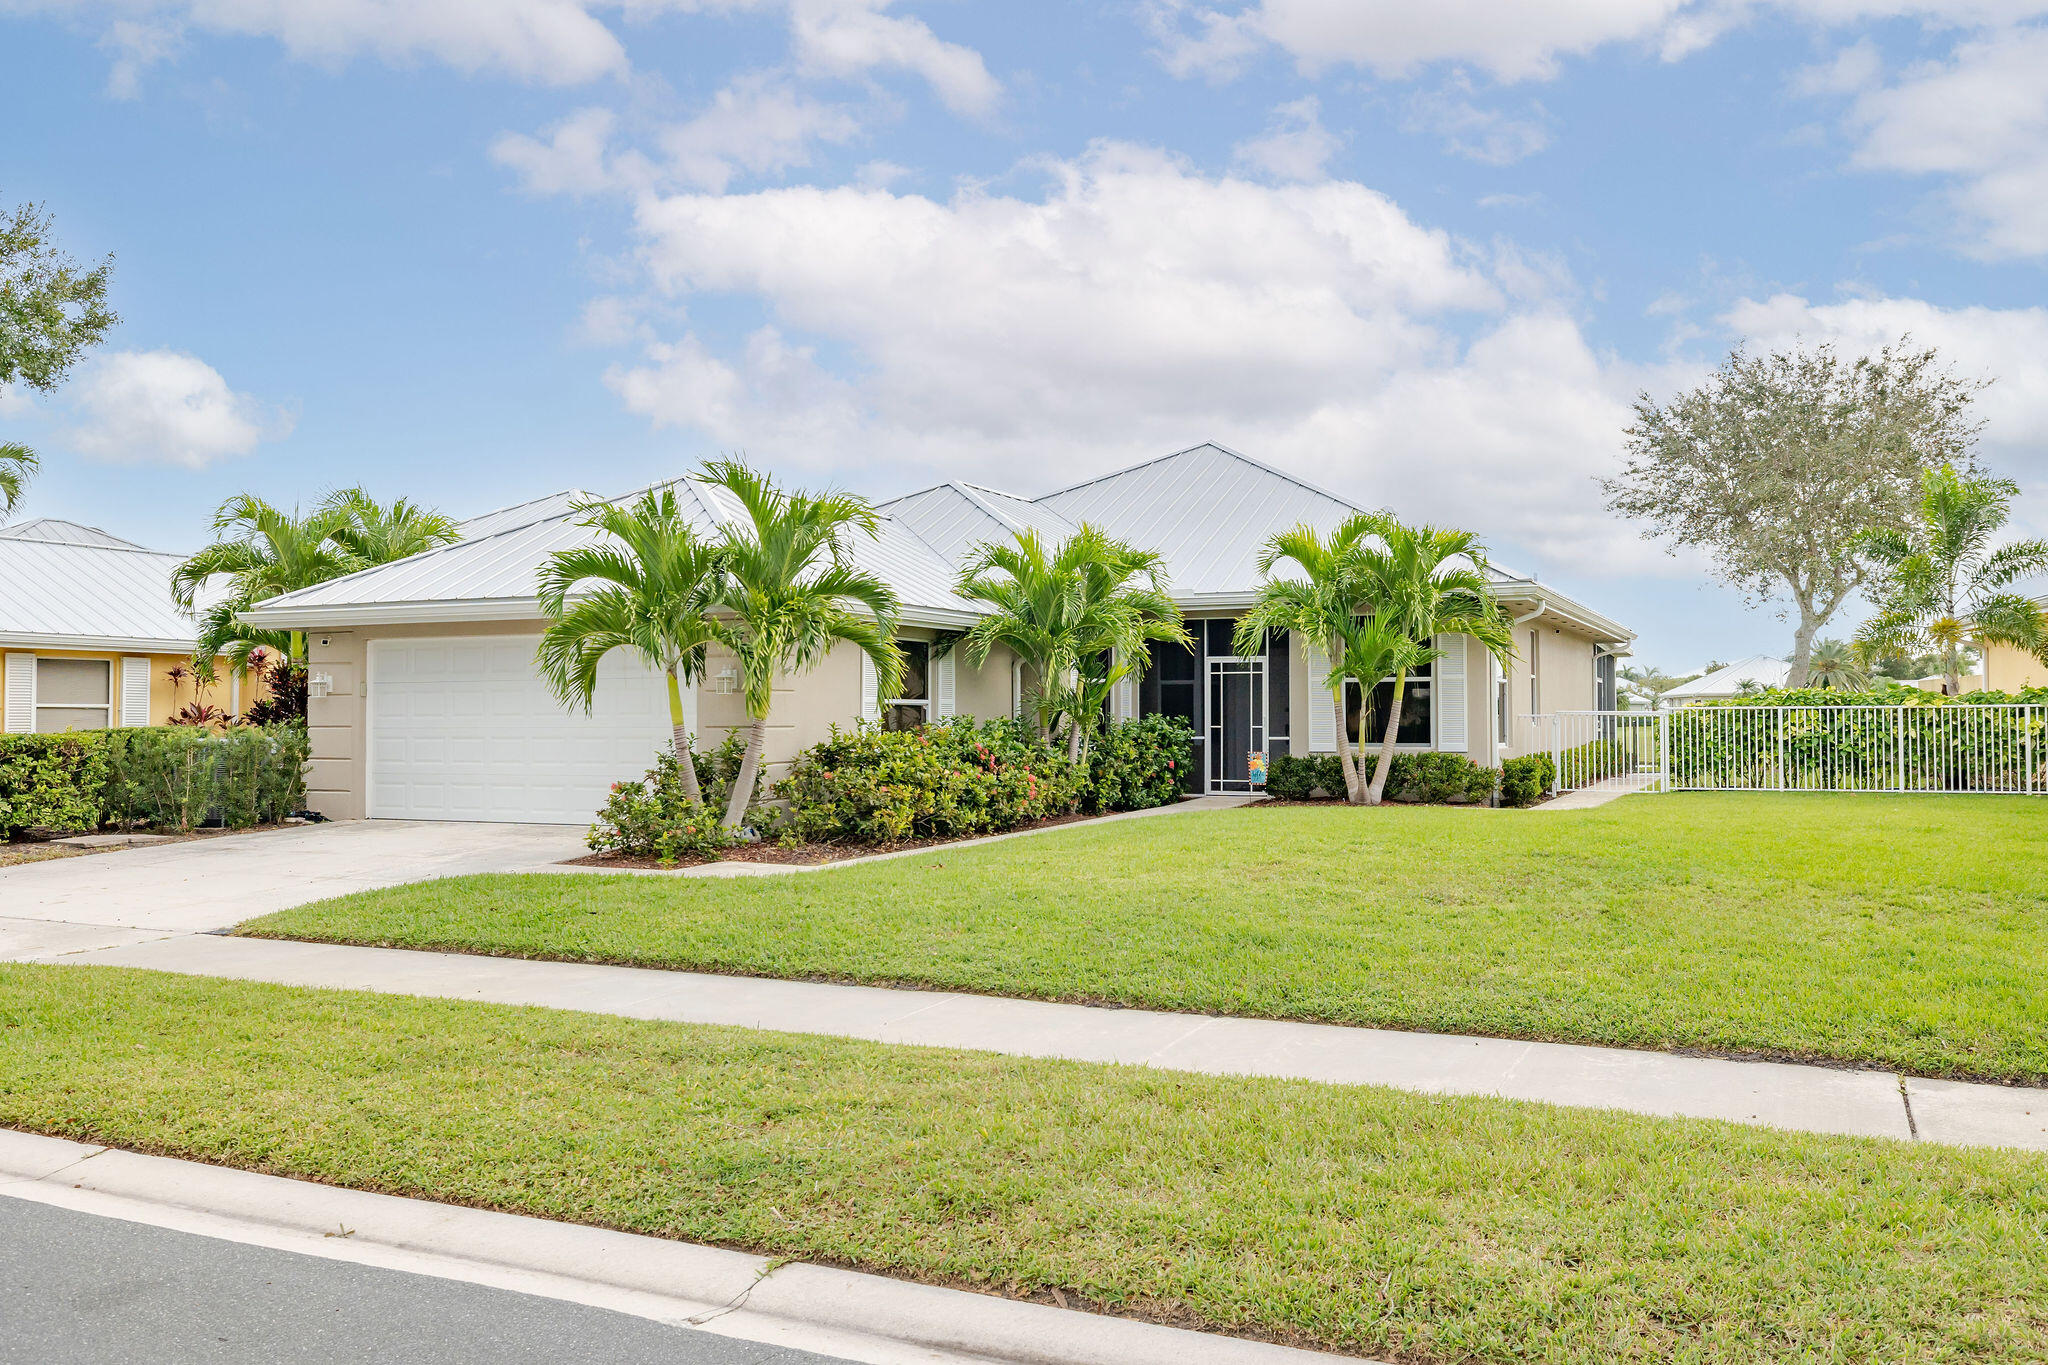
<point>1999,748</point>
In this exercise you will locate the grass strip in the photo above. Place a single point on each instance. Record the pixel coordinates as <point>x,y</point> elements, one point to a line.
<point>1412,1227</point>
<point>1904,932</point>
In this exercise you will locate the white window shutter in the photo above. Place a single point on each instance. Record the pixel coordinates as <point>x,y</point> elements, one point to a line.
<point>134,691</point>
<point>1322,721</point>
<point>1447,694</point>
<point>942,687</point>
<point>21,694</point>
<point>870,703</point>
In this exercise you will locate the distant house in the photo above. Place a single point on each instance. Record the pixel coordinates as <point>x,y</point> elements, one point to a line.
<point>89,632</point>
<point>1734,680</point>
<point>2006,668</point>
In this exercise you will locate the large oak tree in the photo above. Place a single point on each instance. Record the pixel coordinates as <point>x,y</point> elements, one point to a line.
<point>1779,464</point>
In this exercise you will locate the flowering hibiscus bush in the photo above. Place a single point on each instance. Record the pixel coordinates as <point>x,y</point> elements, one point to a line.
<point>652,818</point>
<point>873,786</point>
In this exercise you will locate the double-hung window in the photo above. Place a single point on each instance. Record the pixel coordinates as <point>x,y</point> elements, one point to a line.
<point>914,707</point>
<point>74,694</point>
<point>1370,719</point>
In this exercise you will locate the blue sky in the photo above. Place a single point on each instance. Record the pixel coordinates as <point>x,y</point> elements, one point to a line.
<point>1423,255</point>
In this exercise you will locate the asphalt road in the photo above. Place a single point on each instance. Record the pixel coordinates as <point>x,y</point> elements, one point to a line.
<point>76,1287</point>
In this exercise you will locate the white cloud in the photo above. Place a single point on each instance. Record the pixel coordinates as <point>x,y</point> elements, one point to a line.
<point>1469,130</point>
<point>573,159</point>
<point>165,407</point>
<point>2006,345</point>
<point>1979,118</point>
<point>552,41</point>
<point>1511,40</point>
<point>758,125</point>
<point>1133,307</point>
<point>1295,145</point>
<point>853,37</point>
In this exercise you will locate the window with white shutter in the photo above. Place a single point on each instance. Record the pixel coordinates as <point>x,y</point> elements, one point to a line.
<point>1449,694</point>
<point>134,691</point>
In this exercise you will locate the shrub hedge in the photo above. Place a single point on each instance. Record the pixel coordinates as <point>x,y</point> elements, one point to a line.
<point>1526,780</point>
<point>1138,764</point>
<point>1947,743</point>
<point>1422,779</point>
<point>52,785</point>
<point>960,777</point>
<point>160,778</point>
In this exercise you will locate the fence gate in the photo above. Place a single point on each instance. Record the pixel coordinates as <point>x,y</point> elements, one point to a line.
<point>1997,748</point>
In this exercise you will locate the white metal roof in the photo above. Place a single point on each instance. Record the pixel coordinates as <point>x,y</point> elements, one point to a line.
<point>1207,510</point>
<point>521,513</point>
<point>68,532</point>
<point>953,518</point>
<point>494,576</point>
<point>64,595</point>
<point>1760,669</point>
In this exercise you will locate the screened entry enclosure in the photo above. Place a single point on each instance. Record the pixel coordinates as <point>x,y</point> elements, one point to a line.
<point>1235,705</point>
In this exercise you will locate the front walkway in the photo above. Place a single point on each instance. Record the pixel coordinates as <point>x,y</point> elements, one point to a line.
<point>1811,1098</point>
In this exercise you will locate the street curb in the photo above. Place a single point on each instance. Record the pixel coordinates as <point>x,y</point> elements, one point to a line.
<point>819,1308</point>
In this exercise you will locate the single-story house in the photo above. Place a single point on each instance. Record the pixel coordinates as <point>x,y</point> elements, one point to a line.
<point>1757,672</point>
<point>89,633</point>
<point>426,703</point>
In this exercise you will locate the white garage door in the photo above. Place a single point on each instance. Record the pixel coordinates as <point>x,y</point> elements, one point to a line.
<point>464,729</point>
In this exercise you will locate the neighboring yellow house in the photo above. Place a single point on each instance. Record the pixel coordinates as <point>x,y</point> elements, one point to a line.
<point>2002,668</point>
<point>89,633</point>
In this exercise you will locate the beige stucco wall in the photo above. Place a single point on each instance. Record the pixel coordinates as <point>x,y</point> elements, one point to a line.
<point>2008,668</point>
<point>165,696</point>
<point>802,710</point>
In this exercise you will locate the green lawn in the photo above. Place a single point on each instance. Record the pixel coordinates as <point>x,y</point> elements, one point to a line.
<point>1433,1229</point>
<point>1910,932</point>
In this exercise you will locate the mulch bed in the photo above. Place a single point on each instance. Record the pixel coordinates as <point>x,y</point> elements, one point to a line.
<point>809,855</point>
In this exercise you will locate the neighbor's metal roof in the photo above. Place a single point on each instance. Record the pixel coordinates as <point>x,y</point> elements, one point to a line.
<point>1760,669</point>
<point>63,594</point>
<point>68,532</point>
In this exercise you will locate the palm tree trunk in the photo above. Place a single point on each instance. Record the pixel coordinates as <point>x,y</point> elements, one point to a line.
<point>750,766</point>
<point>1353,789</point>
<point>1386,759</point>
<point>681,732</point>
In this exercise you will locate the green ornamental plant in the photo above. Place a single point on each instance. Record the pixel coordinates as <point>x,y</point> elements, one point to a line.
<point>646,586</point>
<point>789,592</point>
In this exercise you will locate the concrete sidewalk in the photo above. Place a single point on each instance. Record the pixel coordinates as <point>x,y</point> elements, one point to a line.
<point>1810,1098</point>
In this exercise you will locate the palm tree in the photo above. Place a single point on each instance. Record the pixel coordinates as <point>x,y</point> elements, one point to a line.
<point>1426,581</point>
<point>789,592</point>
<point>1323,605</point>
<point>1080,616</point>
<point>1650,684</point>
<point>263,552</point>
<point>17,467</point>
<point>1836,665</point>
<point>378,533</point>
<point>652,585</point>
<point>1942,582</point>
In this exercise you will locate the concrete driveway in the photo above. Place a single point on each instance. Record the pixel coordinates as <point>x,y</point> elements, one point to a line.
<point>67,904</point>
